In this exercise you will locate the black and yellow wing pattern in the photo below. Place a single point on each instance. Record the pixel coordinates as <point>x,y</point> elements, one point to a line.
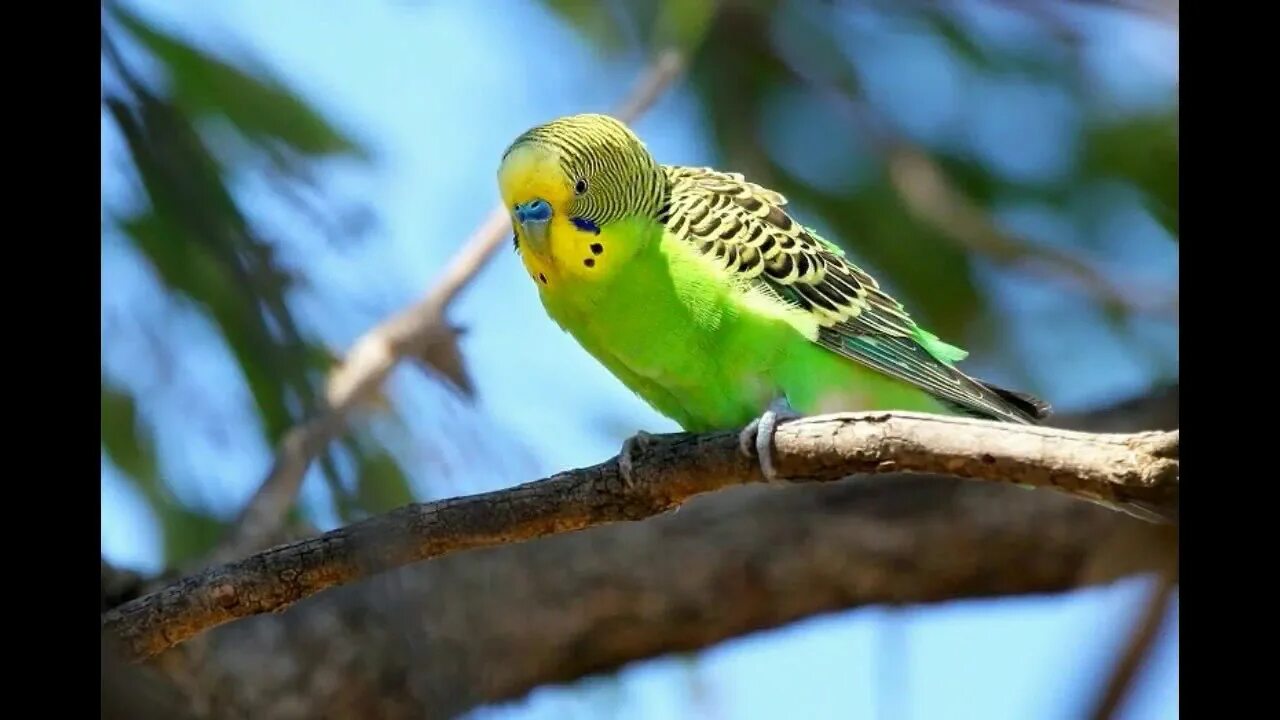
<point>747,228</point>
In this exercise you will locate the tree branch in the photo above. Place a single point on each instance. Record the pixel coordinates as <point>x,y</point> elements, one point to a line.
<point>419,331</point>
<point>1138,648</point>
<point>1133,472</point>
<point>433,639</point>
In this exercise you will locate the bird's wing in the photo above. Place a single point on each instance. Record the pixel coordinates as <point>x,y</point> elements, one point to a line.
<point>746,227</point>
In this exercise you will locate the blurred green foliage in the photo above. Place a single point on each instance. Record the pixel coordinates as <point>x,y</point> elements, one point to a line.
<point>200,243</point>
<point>744,57</point>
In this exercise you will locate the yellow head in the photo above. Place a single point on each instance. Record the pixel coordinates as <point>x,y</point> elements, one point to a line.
<point>566,183</point>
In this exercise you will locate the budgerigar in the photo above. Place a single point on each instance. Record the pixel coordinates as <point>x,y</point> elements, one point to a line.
<point>701,294</point>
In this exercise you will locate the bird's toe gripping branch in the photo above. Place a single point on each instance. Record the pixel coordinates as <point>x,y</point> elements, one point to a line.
<point>756,439</point>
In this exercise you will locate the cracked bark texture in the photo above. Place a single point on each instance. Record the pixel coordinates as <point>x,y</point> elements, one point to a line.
<point>436,638</point>
<point>1135,472</point>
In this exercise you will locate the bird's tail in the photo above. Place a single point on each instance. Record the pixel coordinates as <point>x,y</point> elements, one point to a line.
<point>1002,404</point>
<point>1026,403</point>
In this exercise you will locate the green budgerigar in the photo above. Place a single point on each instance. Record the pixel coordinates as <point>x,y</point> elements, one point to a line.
<point>702,294</point>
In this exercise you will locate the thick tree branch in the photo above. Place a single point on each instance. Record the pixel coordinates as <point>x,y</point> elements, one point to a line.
<point>726,571</point>
<point>419,331</point>
<point>1124,471</point>
<point>433,639</point>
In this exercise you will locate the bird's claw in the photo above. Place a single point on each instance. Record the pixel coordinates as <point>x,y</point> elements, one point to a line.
<point>626,462</point>
<point>756,439</point>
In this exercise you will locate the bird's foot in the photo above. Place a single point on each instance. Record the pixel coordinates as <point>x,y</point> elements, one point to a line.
<point>626,462</point>
<point>756,439</point>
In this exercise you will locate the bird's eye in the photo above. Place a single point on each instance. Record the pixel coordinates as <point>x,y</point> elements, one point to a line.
<point>580,187</point>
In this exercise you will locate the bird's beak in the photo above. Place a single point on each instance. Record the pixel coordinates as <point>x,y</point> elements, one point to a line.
<point>534,219</point>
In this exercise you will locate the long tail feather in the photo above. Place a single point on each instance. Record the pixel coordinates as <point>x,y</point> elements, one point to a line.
<point>1027,403</point>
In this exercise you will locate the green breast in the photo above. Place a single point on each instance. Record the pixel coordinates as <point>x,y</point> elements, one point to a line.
<point>675,334</point>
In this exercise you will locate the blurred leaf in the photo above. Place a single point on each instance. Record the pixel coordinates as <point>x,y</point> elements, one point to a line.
<point>591,19</point>
<point>122,439</point>
<point>681,24</point>
<point>802,35</point>
<point>975,180</point>
<point>1144,151</point>
<point>200,244</point>
<point>188,268</point>
<point>733,78</point>
<point>187,533</point>
<point>1050,62</point>
<point>243,287</point>
<point>611,25</point>
<point>381,484</point>
<point>204,249</point>
<point>957,38</point>
<point>263,109</point>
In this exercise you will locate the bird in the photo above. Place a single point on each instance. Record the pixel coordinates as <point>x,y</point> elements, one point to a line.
<point>702,293</point>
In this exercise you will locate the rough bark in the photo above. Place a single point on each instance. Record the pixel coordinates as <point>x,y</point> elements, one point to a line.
<point>1136,472</point>
<point>435,638</point>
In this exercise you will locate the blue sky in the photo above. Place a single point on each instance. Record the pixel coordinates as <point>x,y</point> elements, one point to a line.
<point>437,90</point>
